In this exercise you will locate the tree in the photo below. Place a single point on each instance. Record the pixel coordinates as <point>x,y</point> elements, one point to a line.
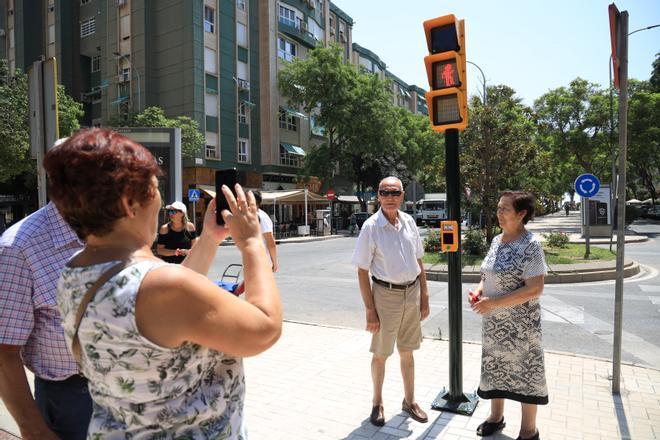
<point>574,128</point>
<point>497,149</point>
<point>655,75</point>
<point>192,140</point>
<point>354,107</point>
<point>644,141</point>
<point>15,124</point>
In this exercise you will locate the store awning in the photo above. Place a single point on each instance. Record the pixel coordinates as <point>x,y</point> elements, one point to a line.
<point>208,189</point>
<point>293,112</point>
<point>293,149</point>
<point>291,196</point>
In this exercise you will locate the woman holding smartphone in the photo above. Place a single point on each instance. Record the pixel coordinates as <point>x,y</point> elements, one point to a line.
<point>512,274</point>
<point>160,344</point>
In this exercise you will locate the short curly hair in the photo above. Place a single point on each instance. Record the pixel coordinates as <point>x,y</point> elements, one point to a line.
<point>90,172</point>
<point>522,200</point>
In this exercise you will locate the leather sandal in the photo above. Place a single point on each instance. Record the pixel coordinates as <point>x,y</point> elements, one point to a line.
<point>534,437</point>
<point>415,412</point>
<point>489,428</point>
<point>377,416</point>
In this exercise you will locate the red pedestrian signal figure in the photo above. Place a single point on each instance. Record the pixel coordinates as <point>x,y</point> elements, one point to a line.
<point>448,75</point>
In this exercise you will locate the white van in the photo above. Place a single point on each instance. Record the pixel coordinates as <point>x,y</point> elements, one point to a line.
<point>432,209</point>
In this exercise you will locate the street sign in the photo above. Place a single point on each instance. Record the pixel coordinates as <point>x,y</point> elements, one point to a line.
<point>587,185</point>
<point>331,194</point>
<point>193,195</point>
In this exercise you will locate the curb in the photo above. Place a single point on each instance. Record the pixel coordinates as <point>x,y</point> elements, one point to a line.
<point>293,240</point>
<point>579,274</point>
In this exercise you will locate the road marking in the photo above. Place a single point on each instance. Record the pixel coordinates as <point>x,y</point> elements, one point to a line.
<point>555,310</point>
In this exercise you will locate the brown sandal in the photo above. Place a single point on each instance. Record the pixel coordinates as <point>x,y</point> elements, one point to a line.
<point>489,428</point>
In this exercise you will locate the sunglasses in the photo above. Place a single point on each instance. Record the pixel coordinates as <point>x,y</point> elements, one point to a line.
<point>385,193</point>
<point>172,211</point>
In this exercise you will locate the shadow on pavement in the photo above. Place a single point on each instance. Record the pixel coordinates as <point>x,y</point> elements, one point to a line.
<point>621,416</point>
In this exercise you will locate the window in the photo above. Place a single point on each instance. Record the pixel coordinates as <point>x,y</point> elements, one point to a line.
<point>125,74</point>
<point>51,34</point>
<point>288,17</point>
<point>288,122</point>
<point>96,63</point>
<point>125,27</point>
<point>242,70</point>
<point>243,150</point>
<point>240,4</point>
<point>84,2</point>
<point>210,104</point>
<point>241,35</point>
<point>242,113</point>
<point>210,60</point>
<point>209,20</point>
<point>87,27</point>
<point>288,159</point>
<point>286,49</point>
<point>211,84</point>
<point>211,152</point>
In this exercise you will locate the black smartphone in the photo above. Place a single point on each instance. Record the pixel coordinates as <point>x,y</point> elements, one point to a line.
<point>227,177</point>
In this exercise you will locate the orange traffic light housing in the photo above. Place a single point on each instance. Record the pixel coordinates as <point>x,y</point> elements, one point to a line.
<point>449,239</point>
<point>445,69</point>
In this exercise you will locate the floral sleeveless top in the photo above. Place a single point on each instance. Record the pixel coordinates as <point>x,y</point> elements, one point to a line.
<point>142,390</point>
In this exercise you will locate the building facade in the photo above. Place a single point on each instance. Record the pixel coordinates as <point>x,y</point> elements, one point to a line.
<point>215,61</point>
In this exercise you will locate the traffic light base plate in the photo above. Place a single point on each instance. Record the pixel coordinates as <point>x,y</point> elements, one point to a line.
<point>465,404</point>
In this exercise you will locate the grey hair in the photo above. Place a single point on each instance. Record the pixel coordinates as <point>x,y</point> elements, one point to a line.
<point>391,178</point>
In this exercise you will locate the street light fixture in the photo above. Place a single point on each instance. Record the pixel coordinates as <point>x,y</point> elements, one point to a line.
<point>483,77</point>
<point>127,58</point>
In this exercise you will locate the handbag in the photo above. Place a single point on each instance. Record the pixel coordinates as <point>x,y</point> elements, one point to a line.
<point>88,297</point>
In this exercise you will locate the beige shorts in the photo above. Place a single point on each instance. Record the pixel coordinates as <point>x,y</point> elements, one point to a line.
<point>399,315</point>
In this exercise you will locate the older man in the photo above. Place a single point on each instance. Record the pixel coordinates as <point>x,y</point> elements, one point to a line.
<point>33,253</point>
<point>389,246</point>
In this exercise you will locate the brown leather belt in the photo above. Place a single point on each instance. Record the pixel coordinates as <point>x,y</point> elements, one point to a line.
<point>392,285</point>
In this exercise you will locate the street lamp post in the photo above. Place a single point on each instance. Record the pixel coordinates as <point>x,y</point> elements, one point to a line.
<point>483,77</point>
<point>130,64</point>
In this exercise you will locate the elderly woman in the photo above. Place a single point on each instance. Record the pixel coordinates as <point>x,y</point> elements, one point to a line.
<point>160,344</point>
<point>512,273</point>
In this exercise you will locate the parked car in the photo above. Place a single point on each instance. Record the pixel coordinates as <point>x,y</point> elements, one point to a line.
<point>359,218</point>
<point>653,213</point>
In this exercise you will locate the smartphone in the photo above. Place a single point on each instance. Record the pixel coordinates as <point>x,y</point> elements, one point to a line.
<point>227,177</point>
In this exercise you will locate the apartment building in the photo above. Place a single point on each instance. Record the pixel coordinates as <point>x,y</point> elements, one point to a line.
<point>215,61</point>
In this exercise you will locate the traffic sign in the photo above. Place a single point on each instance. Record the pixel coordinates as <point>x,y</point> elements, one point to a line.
<point>193,195</point>
<point>331,194</point>
<point>587,185</point>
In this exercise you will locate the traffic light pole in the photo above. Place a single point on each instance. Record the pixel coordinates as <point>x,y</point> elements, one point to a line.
<point>453,399</point>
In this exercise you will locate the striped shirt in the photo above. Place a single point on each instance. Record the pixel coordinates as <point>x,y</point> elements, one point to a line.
<point>33,253</point>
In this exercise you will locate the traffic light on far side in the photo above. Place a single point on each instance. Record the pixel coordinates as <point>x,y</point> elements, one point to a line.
<point>445,69</point>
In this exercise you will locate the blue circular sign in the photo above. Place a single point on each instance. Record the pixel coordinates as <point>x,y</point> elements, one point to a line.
<point>587,185</point>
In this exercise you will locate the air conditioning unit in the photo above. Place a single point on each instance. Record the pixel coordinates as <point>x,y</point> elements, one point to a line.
<point>2,33</point>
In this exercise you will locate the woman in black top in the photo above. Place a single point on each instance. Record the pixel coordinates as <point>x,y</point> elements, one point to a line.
<point>176,237</point>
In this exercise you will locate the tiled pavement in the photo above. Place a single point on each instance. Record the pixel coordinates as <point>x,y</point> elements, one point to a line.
<point>315,384</point>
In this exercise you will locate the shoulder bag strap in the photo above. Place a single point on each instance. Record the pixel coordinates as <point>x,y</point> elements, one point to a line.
<point>89,296</point>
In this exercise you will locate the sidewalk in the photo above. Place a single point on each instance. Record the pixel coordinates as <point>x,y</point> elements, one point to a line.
<point>315,383</point>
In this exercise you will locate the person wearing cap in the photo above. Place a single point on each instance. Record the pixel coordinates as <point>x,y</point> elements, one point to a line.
<point>33,253</point>
<point>177,236</point>
<point>390,248</point>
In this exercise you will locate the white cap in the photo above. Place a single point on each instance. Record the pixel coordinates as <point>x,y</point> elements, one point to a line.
<point>179,206</point>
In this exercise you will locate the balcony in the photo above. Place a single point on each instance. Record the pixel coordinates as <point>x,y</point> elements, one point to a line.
<point>243,84</point>
<point>294,31</point>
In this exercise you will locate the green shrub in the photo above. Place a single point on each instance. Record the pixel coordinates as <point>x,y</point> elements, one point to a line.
<point>632,213</point>
<point>474,242</point>
<point>556,239</point>
<point>432,242</point>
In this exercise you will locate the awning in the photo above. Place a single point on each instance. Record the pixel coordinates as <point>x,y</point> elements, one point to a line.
<point>293,149</point>
<point>291,196</point>
<point>208,189</point>
<point>293,112</point>
<point>348,199</point>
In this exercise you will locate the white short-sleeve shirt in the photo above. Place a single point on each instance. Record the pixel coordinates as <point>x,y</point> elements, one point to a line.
<point>390,253</point>
<point>265,223</point>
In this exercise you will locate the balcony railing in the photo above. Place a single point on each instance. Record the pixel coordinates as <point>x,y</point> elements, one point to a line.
<point>294,30</point>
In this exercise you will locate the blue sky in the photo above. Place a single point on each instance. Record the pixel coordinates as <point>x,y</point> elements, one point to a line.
<point>531,45</point>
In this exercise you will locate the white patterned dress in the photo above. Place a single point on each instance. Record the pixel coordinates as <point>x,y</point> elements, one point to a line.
<point>512,365</point>
<point>141,390</point>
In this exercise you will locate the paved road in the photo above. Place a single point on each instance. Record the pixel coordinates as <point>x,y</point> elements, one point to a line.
<point>319,285</point>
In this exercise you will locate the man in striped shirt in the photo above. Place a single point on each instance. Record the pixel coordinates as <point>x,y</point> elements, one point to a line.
<point>33,253</point>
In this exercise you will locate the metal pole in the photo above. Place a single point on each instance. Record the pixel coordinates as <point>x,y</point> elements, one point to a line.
<point>586,227</point>
<point>194,214</point>
<point>613,146</point>
<point>621,203</point>
<point>305,210</point>
<point>454,400</point>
